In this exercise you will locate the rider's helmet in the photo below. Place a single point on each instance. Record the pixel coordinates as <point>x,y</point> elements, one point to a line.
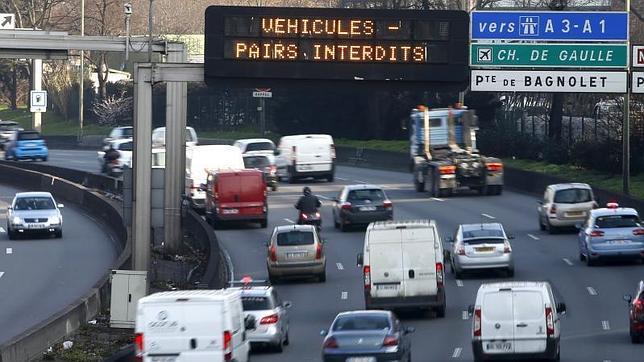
<point>306,191</point>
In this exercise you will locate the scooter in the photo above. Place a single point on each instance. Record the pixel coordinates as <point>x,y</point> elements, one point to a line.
<point>114,169</point>
<point>310,218</point>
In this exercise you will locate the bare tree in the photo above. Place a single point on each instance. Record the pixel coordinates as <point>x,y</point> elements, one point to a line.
<point>113,110</point>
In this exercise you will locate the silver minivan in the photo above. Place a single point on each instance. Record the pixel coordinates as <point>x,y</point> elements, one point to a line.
<point>565,205</point>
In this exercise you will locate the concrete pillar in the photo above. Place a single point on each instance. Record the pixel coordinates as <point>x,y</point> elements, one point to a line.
<point>176,110</point>
<point>142,167</point>
<point>36,117</point>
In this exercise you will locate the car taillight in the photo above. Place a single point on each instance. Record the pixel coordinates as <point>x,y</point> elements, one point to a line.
<point>553,209</point>
<point>317,214</point>
<point>638,232</point>
<point>272,253</point>
<point>333,152</point>
<point>550,322</point>
<point>138,343</point>
<point>447,170</point>
<point>305,216</point>
<point>638,307</point>
<point>439,274</point>
<point>318,251</point>
<point>506,248</point>
<point>330,342</point>
<point>387,204</point>
<point>270,319</point>
<point>346,206</point>
<point>228,351</point>
<point>366,270</point>
<point>390,341</point>
<point>477,322</point>
<point>596,233</point>
<point>460,250</point>
<point>494,167</point>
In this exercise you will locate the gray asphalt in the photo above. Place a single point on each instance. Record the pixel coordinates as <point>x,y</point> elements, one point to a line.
<point>538,256</point>
<point>40,276</point>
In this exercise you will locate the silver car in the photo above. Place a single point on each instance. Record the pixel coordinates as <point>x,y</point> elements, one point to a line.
<point>296,250</point>
<point>481,246</point>
<point>565,205</point>
<point>271,316</point>
<point>34,212</point>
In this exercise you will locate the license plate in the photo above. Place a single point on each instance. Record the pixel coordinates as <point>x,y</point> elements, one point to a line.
<point>575,213</point>
<point>387,286</point>
<point>36,226</point>
<point>231,211</point>
<point>296,255</point>
<point>499,346</point>
<point>368,208</point>
<point>164,359</point>
<point>361,359</point>
<point>618,242</point>
<point>304,167</point>
<point>485,249</point>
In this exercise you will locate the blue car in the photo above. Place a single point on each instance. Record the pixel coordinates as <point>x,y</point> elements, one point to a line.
<point>28,145</point>
<point>611,232</point>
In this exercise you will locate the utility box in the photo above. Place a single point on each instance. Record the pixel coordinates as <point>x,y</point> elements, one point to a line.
<point>128,286</point>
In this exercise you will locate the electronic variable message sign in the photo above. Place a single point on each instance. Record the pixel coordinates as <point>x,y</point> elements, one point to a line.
<point>336,44</point>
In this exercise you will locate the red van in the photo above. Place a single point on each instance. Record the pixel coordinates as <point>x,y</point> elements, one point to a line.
<point>238,195</point>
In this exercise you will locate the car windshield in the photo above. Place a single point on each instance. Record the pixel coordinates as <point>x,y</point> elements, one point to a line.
<point>366,195</point>
<point>482,233</point>
<point>125,146</point>
<point>617,221</point>
<point>256,303</point>
<point>484,241</point>
<point>127,132</point>
<point>295,237</point>
<point>573,196</point>
<point>361,323</point>
<point>256,162</point>
<point>260,146</point>
<point>28,136</point>
<point>34,203</point>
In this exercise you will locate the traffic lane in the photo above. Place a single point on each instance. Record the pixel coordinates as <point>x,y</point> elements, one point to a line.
<point>82,160</point>
<point>43,275</point>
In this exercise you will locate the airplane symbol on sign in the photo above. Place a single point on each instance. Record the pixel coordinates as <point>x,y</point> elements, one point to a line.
<point>485,54</point>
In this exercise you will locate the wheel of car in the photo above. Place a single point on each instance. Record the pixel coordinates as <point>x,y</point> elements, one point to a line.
<point>286,340</point>
<point>510,272</point>
<point>322,277</point>
<point>582,257</point>
<point>635,338</point>
<point>58,234</point>
<point>590,261</point>
<point>420,186</point>
<point>11,234</point>
<point>335,223</point>
<point>541,226</point>
<point>343,227</point>
<point>440,311</point>
<point>263,223</point>
<point>274,188</point>
<point>551,229</point>
<point>278,347</point>
<point>44,159</point>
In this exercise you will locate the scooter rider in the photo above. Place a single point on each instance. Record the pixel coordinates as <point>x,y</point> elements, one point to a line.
<point>308,203</point>
<point>110,156</point>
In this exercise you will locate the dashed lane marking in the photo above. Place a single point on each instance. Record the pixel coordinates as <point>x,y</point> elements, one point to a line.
<point>605,325</point>
<point>567,261</point>
<point>533,237</point>
<point>591,290</point>
<point>1,230</point>
<point>360,181</point>
<point>1,274</point>
<point>9,251</point>
<point>437,199</point>
<point>339,265</point>
<point>488,216</point>
<point>465,315</point>
<point>457,352</point>
<point>344,295</point>
<point>459,283</point>
<point>341,178</point>
<point>289,220</point>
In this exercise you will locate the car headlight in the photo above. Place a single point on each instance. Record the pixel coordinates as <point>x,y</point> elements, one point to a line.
<point>54,220</point>
<point>16,220</point>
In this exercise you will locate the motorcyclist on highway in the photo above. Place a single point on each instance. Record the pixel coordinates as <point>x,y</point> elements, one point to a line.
<point>308,203</point>
<point>111,154</point>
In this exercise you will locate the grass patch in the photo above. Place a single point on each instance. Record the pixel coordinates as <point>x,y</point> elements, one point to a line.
<point>390,145</point>
<point>53,124</point>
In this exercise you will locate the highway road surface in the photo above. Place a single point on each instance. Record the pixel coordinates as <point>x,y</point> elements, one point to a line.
<point>594,329</point>
<point>40,276</point>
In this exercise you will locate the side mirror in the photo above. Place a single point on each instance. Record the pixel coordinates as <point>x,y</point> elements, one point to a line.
<point>360,260</point>
<point>470,309</point>
<point>250,322</point>
<point>60,206</point>
<point>409,330</point>
<point>561,308</point>
<point>287,304</point>
<point>323,332</point>
<point>277,152</point>
<point>628,298</point>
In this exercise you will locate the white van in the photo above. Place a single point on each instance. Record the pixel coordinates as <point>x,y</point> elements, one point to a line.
<point>516,320</point>
<point>310,155</point>
<point>192,325</point>
<point>402,265</point>
<point>199,159</point>
<point>158,137</point>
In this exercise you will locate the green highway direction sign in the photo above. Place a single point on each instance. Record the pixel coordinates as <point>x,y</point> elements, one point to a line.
<point>548,55</point>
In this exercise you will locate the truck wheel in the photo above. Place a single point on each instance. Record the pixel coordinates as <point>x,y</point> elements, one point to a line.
<point>420,186</point>
<point>444,192</point>
<point>274,187</point>
<point>290,178</point>
<point>482,190</point>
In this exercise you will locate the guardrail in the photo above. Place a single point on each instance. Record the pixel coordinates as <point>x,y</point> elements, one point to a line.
<point>30,344</point>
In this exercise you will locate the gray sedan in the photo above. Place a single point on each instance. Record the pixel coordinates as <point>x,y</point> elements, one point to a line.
<point>481,246</point>
<point>34,212</point>
<point>361,204</point>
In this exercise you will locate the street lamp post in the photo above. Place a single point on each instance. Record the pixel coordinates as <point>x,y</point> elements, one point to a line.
<point>81,95</point>
<point>626,133</point>
<point>150,32</point>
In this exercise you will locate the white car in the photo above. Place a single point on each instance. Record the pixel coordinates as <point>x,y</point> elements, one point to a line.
<point>125,148</point>
<point>516,320</point>
<point>32,212</point>
<point>158,137</point>
<point>256,146</point>
<point>119,133</point>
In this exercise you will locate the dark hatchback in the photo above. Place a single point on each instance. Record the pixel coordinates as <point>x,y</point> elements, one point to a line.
<point>361,205</point>
<point>265,164</point>
<point>636,314</point>
<point>366,336</point>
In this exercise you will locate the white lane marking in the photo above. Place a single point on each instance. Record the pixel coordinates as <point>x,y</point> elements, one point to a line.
<point>466,315</point>
<point>1,274</point>
<point>360,181</point>
<point>9,251</point>
<point>344,295</point>
<point>459,283</point>
<point>437,199</point>
<point>533,237</point>
<point>605,325</point>
<point>339,265</point>
<point>289,220</point>
<point>567,261</point>
<point>2,230</point>
<point>341,178</point>
<point>591,290</point>
<point>488,216</point>
<point>457,352</point>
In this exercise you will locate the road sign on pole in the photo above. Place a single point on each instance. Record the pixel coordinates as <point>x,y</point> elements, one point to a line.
<point>638,56</point>
<point>7,21</point>
<point>549,55</point>
<point>638,82</point>
<point>548,81</point>
<point>38,101</point>
<point>262,93</point>
<point>550,25</point>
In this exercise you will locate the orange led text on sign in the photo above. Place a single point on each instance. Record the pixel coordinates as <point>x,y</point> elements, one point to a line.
<point>317,26</point>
